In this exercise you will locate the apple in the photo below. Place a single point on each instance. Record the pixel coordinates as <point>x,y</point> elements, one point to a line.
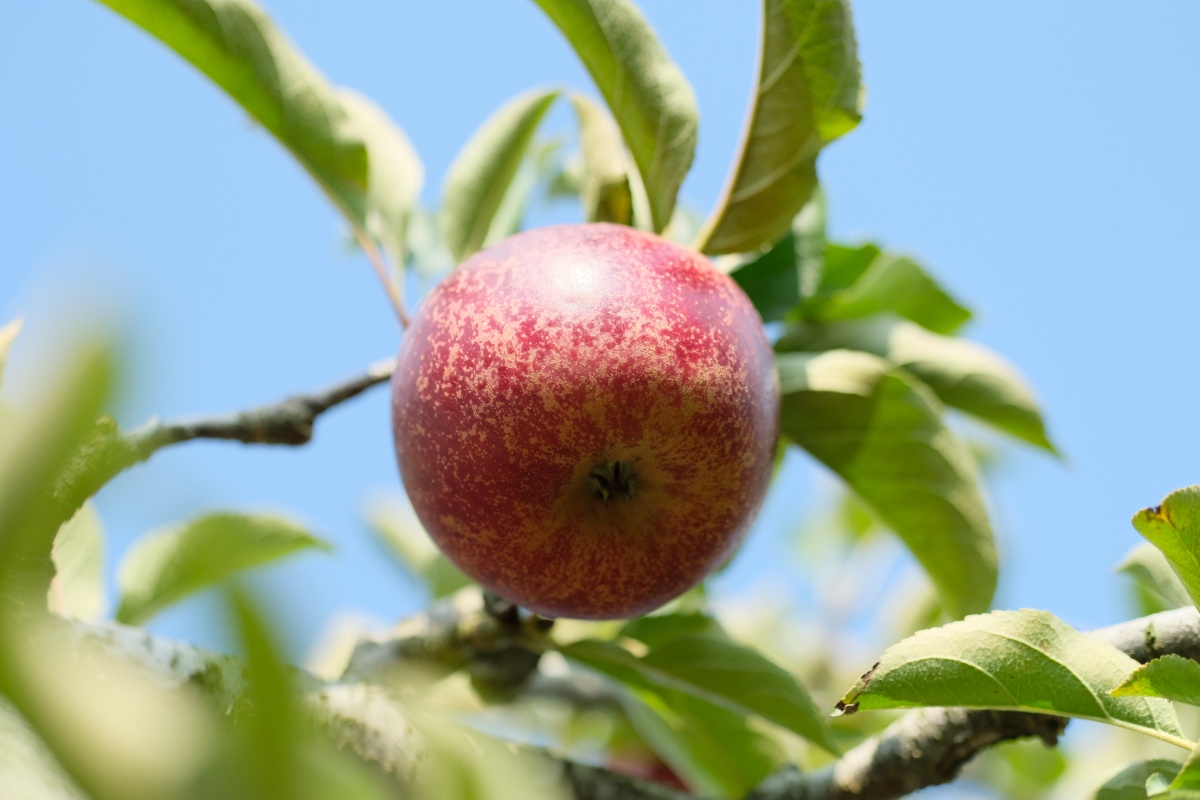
<point>585,419</point>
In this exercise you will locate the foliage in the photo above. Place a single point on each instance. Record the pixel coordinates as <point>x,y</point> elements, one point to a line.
<point>871,365</point>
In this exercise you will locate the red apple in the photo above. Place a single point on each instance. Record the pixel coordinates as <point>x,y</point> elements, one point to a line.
<point>585,419</point>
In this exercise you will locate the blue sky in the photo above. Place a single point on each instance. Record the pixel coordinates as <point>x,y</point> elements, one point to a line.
<point>1042,159</point>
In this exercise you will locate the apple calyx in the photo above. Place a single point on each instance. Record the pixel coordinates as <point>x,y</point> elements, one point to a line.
<point>612,480</point>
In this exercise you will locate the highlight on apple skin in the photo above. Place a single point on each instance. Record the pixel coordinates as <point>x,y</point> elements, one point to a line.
<point>585,419</point>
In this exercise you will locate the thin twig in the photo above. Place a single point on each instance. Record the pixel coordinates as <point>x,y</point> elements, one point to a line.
<point>385,276</point>
<point>108,450</point>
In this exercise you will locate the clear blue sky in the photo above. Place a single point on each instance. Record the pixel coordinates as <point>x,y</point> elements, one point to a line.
<point>1041,158</point>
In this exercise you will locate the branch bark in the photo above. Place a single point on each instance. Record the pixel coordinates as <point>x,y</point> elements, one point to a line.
<point>108,451</point>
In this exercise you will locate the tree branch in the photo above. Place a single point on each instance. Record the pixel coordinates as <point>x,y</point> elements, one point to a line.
<point>108,451</point>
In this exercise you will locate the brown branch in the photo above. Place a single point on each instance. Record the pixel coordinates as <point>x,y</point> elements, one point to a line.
<point>108,450</point>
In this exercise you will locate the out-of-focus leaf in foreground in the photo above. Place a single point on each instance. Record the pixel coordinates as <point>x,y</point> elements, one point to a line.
<point>77,589</point>
<point>167,566</point>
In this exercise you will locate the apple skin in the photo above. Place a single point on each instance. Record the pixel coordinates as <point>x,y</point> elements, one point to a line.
<point>585,419</point>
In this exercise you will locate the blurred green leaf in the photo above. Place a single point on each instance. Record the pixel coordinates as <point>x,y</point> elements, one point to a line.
<point>781,278</point>
<point>808,94</point>
<point>1173,677</point>
<point>404,537</point>
<point>1019,660</point>
<point>356,154</point>
<point>461,764</point>
<point>649,97</point>
<point>167,566</point>
<point>604,180</point>
<point>962,374</point>
<point>535,171</point>
<point>713,749</point>
<point>1186,785</point>
<point>1130,783</point>
<point>78,555</point>
<point>882,432</point>
<point>483,171</point>
<point>690,653</point>
<point>1147,565</point>
<point>273,728</point>
<point>864,281</point>
<point>8,334</point>
<point>33,456</point>
<point>1174,528</point>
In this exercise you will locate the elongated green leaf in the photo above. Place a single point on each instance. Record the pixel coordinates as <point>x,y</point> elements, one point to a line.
<point>8,335</point>
<point>78,554</point>
<point>1020,660</point>
<point>1174,528</point>
<point>808,94</point>
<point>962,374</point>
<point>715,750</point>
<point>165,567</point>
<point>356,154</point>
<point>650,98</point>
<point>790,272</point>
<point>483,170</point>
<point>690,653</point>
<point>1130,783</point>
<point>1150,568</point>
<point>1186,785</point>
<point>864,281</point>
<point>33,456</point>
<point>882,432</point>
<point>1173,677</point>
<point>604,186</point>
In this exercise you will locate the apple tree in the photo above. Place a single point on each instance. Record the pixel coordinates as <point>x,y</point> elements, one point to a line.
<point>479,697</point>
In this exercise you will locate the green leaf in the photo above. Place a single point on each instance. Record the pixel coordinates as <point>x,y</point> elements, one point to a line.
<point>33,456</point>
<point>881,431</point>
<point>1150,568</point>
<point>690,653</point>
<point>716,751</point>
<point>1173,677</point>
<point>963,374</point>
<point>604,182</point>
<point>165,567</point>
<point>864,281</point>
<point>483,171</point>
<point>809,93</point>
<point>1186,785</point>
<point>790,272</point>
<point>1130,783</point>
<point>1017,660</point>
<point>649,97</point>
<point>1174,528</point>
<point>355,153</point>
<point>8,335</point>
<point>402,534</point>
<point>77,589</point>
